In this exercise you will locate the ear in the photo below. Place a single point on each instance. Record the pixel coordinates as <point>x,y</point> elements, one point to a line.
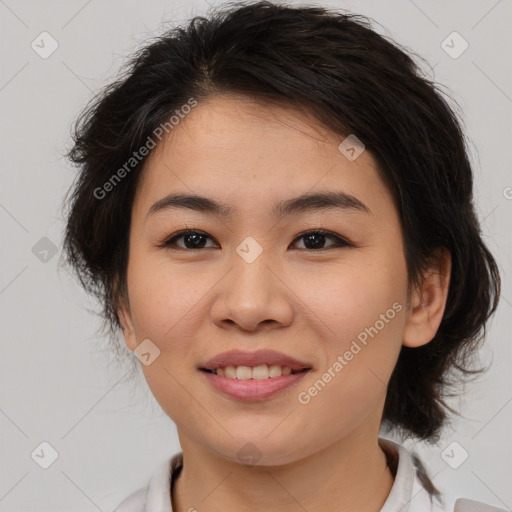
<point>125,318</point>
<point>122,304</point>
<point>428,302</point>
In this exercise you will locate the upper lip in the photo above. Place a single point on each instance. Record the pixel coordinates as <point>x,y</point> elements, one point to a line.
<point>260,357</point>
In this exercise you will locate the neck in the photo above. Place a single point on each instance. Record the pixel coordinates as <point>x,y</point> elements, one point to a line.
<point>351,474</point>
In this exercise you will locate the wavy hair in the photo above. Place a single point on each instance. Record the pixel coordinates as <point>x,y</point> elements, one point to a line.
<point>354,81</point>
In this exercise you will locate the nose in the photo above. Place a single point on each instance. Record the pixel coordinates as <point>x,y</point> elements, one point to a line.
<point>253,295</point>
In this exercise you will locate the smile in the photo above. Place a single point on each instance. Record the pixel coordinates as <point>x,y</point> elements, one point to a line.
<point>252,383</point>
<point>259,372</point>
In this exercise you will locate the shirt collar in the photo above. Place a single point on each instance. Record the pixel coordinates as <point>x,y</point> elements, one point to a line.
<point>407,493</point>
<point>159,490</point>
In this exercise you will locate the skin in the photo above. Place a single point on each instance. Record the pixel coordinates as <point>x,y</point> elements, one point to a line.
<point>306,302</point>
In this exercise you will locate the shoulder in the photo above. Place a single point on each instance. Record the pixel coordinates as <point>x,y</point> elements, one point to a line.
<point>466,505</point>
<point>135,502</point>
<point>156,496</point>
<point>414,491</point>
<point>461,504</point>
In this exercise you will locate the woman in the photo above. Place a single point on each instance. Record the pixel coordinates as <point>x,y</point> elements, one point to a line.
<point>276,209</point>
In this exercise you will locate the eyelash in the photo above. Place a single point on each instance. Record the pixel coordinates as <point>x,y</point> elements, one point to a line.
<point>169,243</point>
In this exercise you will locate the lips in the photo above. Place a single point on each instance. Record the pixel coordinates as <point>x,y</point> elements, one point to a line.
<point>260,357</point>
<point>252,390</point>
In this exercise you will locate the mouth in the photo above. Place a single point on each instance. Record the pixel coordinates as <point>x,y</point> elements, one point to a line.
<point>246,384</point>
<point>261,364</point>
<point>260,372</point>
<point>253,376</point>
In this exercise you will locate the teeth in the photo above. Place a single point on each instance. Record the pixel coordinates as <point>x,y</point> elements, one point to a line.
<point>258,372</point>
<point>243,372</point>
<point>230,372</point>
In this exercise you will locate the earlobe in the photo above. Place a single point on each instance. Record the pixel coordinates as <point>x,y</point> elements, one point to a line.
<point>127,326</point>
<point>428,303</point>
<point>122,303</point>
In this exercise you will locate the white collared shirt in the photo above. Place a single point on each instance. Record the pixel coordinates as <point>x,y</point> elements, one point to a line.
<point>407,494</point>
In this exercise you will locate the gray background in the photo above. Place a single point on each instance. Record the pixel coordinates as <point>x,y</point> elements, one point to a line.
<point>56,381</point>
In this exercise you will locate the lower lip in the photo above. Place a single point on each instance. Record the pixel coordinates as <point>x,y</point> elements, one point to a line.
<point>252,389</point>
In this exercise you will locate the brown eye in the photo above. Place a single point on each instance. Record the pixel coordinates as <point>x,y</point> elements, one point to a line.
<point>192,239</point>
<point>314,240</point>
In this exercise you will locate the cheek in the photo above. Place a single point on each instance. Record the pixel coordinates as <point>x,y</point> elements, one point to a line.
<point>351,297</point>
<point>164,308</point>
<point>362,318</point>
<point>360,311</point>
<point>167,305</point>
<point>157,301</point>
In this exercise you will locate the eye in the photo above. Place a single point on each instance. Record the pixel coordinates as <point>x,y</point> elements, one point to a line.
<point>314,240</point>
<point>192,238</point>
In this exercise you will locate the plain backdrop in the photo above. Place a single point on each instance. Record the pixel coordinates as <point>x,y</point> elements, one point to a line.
<point>106,437</point>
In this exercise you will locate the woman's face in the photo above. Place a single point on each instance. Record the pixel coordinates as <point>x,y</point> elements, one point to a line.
<point>253,283</point>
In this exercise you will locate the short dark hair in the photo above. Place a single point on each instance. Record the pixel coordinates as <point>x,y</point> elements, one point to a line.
<point>354,81</point>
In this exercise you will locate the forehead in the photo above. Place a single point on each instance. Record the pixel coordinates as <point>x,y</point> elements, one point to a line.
<point>242,151</point>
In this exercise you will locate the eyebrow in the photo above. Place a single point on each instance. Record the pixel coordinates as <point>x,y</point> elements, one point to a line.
<point>304,203</point>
